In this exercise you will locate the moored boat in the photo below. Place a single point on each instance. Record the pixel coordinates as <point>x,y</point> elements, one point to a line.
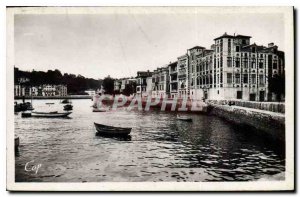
<point>25,114</point>
<point>110,130</point>
<point>68,107</point>
<point>99,110</point>
<point>184,118</point>
<point>54,114</point>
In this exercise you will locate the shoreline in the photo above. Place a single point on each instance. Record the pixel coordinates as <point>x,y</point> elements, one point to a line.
<point>55,97</point>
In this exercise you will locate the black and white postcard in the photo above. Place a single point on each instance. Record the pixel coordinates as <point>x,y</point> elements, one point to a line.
<point>150,98</point>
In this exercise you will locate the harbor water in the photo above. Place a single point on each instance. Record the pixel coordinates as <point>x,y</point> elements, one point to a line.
<point>159,148</point>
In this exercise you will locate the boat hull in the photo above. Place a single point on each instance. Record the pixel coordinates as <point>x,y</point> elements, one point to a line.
<point>49,115</point>
<point>111,131</point>
<point>187,119</point>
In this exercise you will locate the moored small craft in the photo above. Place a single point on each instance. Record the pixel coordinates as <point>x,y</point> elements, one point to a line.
<point>53,114</point>
<point>25,114</point>
<point>99,110</point>
<point>184,118</point>
<point>68,107</point>
<point>110,130</point>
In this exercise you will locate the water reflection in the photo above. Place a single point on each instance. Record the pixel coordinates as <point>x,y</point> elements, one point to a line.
<point>120,137</point>
<point>159,148</point>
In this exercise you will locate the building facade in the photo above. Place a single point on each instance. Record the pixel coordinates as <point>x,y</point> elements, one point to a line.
<point>141,83</point>
<point>183,76</point>
<point>236,69</point>
<point>232,68</point>
<point>173,77</point>
<point>160,79</point>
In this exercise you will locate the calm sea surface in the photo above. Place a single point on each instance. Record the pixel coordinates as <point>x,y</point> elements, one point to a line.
<point>161,148</point>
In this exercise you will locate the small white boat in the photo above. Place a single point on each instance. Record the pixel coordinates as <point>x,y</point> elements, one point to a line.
<point>184,118</point>
<point>53,114</point>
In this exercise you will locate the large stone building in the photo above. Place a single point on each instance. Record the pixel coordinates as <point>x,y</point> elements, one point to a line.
<point>236,69</point>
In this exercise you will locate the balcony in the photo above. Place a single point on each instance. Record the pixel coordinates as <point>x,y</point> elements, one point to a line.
<point>182,75</point>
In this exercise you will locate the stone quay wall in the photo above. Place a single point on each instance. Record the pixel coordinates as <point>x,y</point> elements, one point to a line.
<point>271,123</point>
<point>278,107</point>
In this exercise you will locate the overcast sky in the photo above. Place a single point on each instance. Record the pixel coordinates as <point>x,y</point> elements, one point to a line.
<point>119,45</point>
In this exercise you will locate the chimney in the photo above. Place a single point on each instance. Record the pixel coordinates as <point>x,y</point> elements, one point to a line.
<point>270,44</point>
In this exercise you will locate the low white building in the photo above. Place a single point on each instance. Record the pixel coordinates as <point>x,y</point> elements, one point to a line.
<point>90,92</point>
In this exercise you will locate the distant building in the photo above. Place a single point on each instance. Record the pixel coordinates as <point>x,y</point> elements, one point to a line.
<point>90,92</point>
<point>61,90</point>
<point>160,78</point>
<point>141,83</point>
<point>117,85</point>
<point>49,90</point>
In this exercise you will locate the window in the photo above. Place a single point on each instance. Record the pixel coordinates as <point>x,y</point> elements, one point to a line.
<point>243,41</point>
<point>237,48</point>
<point>253,64</point>
<point>237,78</point>
<point>253,78</point>
<point>261,80</point>
<point>261,64</point>
<point>237,62</point>
<point>245,78</point>
<point>229,61</point>
<point>229,78</point>
<point>239,94</point>
<point>253,49</point>
<point>221,78</point>
<point>275,65</point>
<point>246,63</point>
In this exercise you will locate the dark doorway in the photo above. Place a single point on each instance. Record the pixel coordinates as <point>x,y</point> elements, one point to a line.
<point>252,97</point>
<point>239,94</point>
<point>205,95</point>
<point>261,95</point>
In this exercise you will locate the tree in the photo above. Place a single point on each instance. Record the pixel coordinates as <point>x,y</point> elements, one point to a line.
<point>108,85</point>
<point>277,86</point>
<point>129,89</point>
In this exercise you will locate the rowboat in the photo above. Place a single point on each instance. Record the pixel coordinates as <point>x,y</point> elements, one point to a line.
<point>25,114</point>
<point>110,130</point>
<point>184,118</point>
<point>54,114</point>
<point>99,110</point>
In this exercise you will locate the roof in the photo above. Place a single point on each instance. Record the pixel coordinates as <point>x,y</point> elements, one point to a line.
<point>225,35</point>
<point>197,47</point>
<point>242,36</point>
